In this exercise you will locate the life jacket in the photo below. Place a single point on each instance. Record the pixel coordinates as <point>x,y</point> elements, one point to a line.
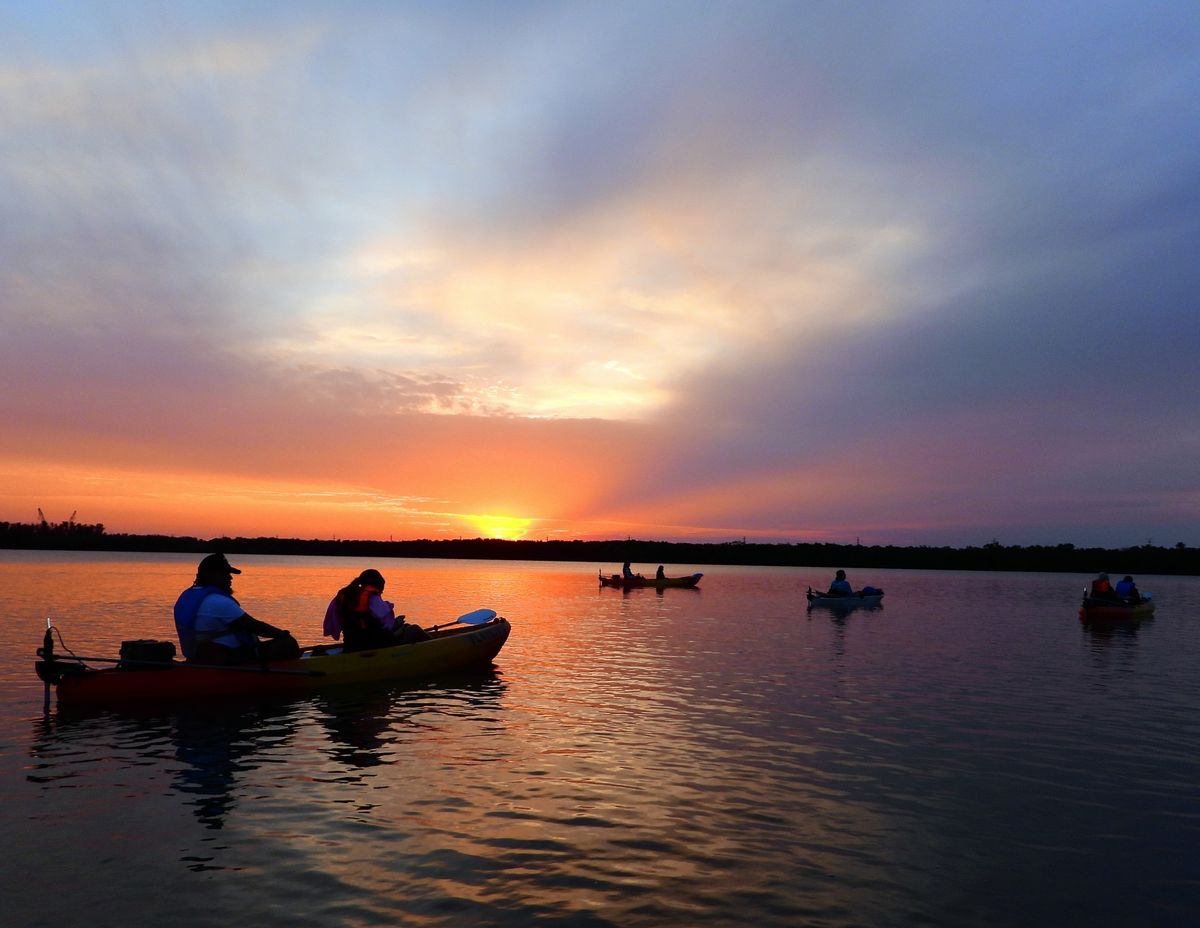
<point>1102,588</point>
<point>361,630</point>
<point>186,609</point>
<point>354,607</point>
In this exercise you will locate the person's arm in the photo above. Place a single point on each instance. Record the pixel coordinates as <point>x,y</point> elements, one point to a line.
<point>384,612</point>
<point>247,623</point>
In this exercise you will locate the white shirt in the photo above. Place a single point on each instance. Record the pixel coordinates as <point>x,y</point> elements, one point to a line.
<point>215,613</point>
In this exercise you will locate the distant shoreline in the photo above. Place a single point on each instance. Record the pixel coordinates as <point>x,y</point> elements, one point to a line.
<point>1064,558</point>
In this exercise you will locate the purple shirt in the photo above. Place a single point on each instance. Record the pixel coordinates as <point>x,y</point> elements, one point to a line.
<point>379,607</point>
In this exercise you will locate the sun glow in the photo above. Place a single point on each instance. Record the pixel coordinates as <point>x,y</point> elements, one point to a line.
<point>508,528</point>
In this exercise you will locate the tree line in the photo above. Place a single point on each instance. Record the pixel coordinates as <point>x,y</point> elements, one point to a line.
<point>1064,558</point>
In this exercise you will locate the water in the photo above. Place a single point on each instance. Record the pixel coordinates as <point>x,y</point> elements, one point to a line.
<point>969,754</point>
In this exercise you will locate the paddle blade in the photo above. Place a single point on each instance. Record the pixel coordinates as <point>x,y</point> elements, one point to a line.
<point>478,617</point>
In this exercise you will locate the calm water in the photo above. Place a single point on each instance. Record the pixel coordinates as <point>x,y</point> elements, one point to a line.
<point>969,754</point>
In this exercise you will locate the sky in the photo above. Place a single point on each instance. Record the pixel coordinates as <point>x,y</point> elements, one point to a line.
<point>916,273</point>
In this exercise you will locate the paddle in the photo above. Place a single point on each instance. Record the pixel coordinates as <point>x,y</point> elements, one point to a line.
<point>187,665</point>
<point>478,617</point>
<point>46,652</point>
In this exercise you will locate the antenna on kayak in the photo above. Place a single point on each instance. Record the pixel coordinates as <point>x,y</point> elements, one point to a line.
<point>47,655</point>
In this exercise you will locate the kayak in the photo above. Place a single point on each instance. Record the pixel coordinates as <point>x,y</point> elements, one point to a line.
<point>853,601</point>
<point>449,649</point>
<point>658,583</point>
<point>1107,610</point>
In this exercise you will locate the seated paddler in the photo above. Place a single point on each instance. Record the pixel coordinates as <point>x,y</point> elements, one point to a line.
<point>1127,590</point>
<point>213,627</point>
<point>1102,589</point>
<point>840,585</point>
<point>367,620</point>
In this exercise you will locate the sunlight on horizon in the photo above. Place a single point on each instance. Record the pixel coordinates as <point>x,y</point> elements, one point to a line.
<point>506,528</point>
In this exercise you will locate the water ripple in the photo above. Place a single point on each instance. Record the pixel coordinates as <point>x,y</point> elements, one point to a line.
<point>720,759</point>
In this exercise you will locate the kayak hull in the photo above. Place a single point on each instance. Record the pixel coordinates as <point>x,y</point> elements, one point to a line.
<point>637,583</point>
<point>1093,610</point>
<point>853,601</point>
<point>449,650</point>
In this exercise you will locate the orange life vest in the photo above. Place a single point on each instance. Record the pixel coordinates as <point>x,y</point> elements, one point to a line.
<point>360,627</point>
<point>354,607</point>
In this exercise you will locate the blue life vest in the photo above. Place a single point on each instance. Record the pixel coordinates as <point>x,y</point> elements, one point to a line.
<point>186,609</point>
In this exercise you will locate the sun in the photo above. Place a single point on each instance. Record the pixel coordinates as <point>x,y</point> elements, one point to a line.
<point>508,528</point>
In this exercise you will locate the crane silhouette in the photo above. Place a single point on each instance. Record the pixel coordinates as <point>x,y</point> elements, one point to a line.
<point>42,517</point>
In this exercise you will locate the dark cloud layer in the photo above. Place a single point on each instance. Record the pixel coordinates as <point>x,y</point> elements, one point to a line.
<point>942,254</point>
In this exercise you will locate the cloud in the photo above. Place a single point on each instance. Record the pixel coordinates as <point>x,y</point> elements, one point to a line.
<point>710,269</point>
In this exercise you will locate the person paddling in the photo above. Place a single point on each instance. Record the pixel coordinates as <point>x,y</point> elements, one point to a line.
<point>213,627</point>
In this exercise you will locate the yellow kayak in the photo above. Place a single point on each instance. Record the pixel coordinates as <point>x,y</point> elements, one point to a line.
<point>456,647</point>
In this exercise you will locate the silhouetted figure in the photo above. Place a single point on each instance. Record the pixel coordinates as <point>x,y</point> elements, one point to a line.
<point>1102,589</point>
<point>840,585</point>
<point>213,627</point>
<point>365,618</point>
<point>1127,590</point>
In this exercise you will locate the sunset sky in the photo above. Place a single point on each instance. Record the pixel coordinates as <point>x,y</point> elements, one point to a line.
<point>912,272</point>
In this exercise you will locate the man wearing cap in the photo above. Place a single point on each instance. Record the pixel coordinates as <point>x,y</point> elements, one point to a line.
<point>213,627</point>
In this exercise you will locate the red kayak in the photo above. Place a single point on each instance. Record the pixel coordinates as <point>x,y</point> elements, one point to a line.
<point>658,583</point>
<point>1109,610</point>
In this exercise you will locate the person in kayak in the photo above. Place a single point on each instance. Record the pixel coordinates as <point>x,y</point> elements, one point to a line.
<point>213,627</point>
<point>840,585</point>
<point>1128,591</point>
<point>365,618</point>
<point>628,574</point>
<point>1102,589</point>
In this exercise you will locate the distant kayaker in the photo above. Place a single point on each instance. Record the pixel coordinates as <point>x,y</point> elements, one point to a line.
<point>213,627</point>
<point>660,574</point>
<point>367,620</point>
<point>1127,590</point>
<point>628,574</point>
<point>1102,589</point>
<point>840,585</point>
